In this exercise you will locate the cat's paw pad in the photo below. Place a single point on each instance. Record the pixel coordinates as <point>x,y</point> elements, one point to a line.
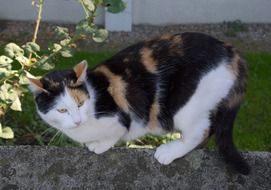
<point>98,148</point>
<point>163,155</point>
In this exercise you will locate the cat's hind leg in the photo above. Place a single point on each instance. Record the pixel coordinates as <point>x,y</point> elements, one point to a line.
<point>192,136</point>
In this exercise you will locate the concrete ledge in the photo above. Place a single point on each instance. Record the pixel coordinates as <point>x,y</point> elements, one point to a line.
<point>35,167</point>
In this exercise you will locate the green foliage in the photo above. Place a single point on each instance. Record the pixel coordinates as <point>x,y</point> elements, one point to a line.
<point>232,28</point>
<point>151,141</point>
<point>6,132</point>
<point>18,61</point>
<point>114,6</point>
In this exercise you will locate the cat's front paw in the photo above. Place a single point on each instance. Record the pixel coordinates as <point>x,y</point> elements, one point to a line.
<point>98,148</point>
<point>163,154</point>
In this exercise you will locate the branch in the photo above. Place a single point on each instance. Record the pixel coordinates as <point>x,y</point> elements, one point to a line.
<point>40,6</point>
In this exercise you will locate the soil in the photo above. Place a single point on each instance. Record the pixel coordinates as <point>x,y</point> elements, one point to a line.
<point>246,37</point>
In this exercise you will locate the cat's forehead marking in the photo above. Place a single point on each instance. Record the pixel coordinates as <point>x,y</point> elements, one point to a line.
<point>148,60</point>
<point>153,115</point>
<point>52,83</point>
<point>77,94</point>
<point>117,87</point>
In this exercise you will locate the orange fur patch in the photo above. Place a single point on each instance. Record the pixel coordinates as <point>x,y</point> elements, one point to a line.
<point>166,37</point>
<point>154,111</point>
<point>176,46</point>
<point>117,87</point>
<point>234,65</point>
<point>177,39</point>
<point>235,99</point>
<point>78,95</point>
<point>148,60</point>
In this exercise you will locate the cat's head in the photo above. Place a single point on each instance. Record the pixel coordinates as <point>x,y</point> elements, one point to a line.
<point>62,98</point>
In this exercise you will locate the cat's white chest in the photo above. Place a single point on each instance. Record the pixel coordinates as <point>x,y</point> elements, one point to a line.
<point>93,130</point>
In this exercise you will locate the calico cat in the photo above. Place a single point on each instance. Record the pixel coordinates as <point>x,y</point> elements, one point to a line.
<point>187,82</point>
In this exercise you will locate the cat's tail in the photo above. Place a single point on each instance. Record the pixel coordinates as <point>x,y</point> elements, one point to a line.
<point>224,140</point>
<point>224,121</point>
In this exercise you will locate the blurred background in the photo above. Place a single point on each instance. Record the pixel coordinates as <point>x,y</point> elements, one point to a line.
<point>245,23</point>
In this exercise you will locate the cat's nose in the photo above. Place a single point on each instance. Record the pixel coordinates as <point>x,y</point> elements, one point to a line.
<point>77,123</point>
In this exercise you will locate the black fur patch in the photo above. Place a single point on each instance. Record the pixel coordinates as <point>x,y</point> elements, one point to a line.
<point>176,79</point>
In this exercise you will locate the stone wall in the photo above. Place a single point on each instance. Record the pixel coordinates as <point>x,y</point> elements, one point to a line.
<point>34,167</point>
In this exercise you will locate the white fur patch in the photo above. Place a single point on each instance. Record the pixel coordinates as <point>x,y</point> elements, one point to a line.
<point>193,118</point>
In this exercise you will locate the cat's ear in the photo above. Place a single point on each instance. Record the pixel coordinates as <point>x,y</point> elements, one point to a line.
<point>81,71</point>
<point>36,86</point>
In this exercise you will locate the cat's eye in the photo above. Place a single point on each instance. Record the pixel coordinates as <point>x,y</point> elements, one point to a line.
<point>62,110</point>
<point>80,104</point>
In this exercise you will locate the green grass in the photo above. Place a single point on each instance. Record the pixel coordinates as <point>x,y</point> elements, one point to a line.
<point>253,125</point>
<point>252,128</point>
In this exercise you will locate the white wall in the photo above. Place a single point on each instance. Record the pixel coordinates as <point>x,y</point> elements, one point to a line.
<point>156,12</point>
<point>68,11</point>
<point>160,12</point>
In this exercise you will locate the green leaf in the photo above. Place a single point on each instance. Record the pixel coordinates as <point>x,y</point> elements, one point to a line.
<point>23,80</point>
<point>31,47</point>
<point>89,5</point>
<point>100,35</point>
<point>62,31</point>
<point>114,6</point>
<point>16,105</point>
<point>22,59</point>
<point>5,62</point>
<point>10,96</point>
<point>13,50</point>
<point>4,72</point>
<point>56,47</point>
<point>83,27</point>
<point>6,132</point>
<point>98,2</point>
<point>65,42</point>
<point>66,53</point>
<point>45,64</point>
<point>4,93</point>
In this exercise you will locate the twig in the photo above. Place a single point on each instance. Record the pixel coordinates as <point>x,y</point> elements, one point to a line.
<point>40,5</point>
